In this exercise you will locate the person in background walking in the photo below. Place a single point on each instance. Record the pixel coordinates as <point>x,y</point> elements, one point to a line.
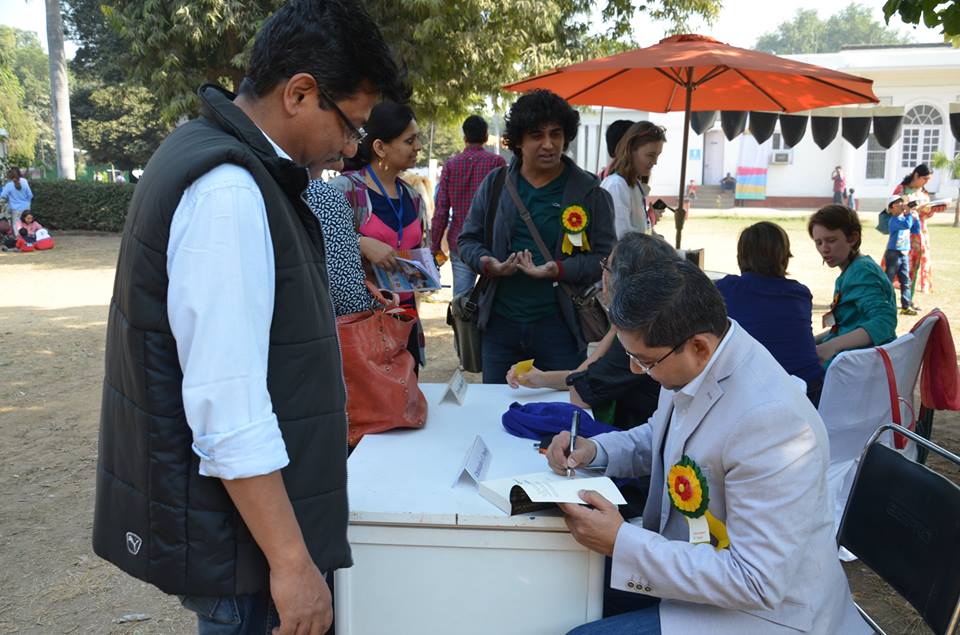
<point>16,192</point>
<point>913,187</point>
<point>904,230</point>
<point>461,176</point>
<point>839,185</point>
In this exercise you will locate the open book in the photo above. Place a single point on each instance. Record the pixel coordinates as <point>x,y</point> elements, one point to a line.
<point>530,492</point>
<point>416,271</point>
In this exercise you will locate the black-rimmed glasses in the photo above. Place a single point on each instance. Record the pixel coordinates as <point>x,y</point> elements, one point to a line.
<point>357,135</point>
<point>646,368</point>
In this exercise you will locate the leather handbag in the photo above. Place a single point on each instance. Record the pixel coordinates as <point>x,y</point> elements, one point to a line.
<point>592,317</point>
<point>379,372</point>
<point>463,313</point>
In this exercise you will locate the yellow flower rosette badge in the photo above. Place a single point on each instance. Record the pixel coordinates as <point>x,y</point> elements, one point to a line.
<point>574,220</point>
<point>690,495</point>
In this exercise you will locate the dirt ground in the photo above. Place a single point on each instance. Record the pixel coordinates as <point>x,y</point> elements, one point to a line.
<point>52,322</point>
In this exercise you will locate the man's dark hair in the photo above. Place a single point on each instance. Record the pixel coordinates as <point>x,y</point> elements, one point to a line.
<point>634,251</point>
<point>475,129</point>
<point>335,41</point>
<point>536,109</point>
<point>615,132</point>
<point>668,302</point>
<point>387,121</point>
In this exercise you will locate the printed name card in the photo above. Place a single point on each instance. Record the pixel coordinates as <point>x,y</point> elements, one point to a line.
<point>456,388</point>
<point>475,464</point>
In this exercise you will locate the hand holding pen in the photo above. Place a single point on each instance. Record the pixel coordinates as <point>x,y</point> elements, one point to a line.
<point>559,457</point>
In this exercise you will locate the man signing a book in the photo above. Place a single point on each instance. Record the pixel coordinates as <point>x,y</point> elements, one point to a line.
<point>737,534</point>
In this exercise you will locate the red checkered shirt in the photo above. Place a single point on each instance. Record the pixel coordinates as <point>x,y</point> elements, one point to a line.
<point>461,176</point>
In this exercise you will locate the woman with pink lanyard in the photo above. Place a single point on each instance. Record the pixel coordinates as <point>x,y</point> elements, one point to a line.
<point>388,213</point>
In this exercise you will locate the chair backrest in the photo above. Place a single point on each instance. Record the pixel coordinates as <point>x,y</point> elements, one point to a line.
<point>856,400</point>
<point>903,521</point>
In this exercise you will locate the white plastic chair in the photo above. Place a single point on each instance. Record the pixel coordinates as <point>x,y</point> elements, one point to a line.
<point>856,401</point>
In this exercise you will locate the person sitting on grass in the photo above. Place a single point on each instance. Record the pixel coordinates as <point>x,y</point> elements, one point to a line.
<point>27,227</point>
<point>864,310</point>
<point>776,311</point>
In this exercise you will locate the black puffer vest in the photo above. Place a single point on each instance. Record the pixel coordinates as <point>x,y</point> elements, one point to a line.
<point>156,517</point>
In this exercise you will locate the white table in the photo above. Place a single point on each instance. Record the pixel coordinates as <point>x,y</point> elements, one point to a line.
<point>431,558</point>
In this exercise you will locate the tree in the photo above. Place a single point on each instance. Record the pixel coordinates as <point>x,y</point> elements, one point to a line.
<point>176,46</point>
<point>457,53</point>
<point>60,92</point>
<point>17,120</point>
<point>117,124</point>
<point>807,33</point>
<point>934,13</point>
<point>29,63</point>
<point>941,161</point>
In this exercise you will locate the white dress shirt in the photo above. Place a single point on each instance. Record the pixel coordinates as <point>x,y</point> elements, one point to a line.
<point>220,266</point>
<point>629,206</point>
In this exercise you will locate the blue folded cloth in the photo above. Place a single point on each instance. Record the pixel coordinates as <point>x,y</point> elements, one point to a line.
<point>542,419</point>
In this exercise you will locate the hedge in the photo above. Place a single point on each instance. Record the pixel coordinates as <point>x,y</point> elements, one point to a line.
<point>84,205</point>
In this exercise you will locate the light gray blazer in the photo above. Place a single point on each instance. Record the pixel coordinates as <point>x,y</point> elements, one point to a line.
<point>763,450</point>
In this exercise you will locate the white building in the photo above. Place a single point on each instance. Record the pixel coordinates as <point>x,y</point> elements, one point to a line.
<point>922,79</point>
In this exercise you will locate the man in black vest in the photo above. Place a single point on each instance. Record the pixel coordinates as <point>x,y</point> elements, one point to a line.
<point>222,468</point>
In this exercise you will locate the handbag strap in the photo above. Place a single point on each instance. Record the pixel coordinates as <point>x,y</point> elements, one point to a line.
<point>899,441</point>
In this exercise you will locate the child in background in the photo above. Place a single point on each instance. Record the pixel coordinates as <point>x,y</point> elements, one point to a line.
<point>852,201</point>
<point>903,226</point>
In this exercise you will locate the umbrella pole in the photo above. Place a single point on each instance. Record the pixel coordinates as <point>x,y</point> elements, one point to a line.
<point>680,213</point>
<point>596,169</point>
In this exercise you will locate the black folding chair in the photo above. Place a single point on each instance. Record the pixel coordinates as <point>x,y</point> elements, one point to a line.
<point>903,521</point>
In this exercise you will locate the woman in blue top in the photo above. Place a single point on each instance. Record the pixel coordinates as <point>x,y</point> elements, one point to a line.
<point>776,311</point>
<point>864,310</point>
<point>16,191</point>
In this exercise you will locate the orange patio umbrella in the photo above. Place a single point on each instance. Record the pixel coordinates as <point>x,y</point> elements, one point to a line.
<point>692,73</point>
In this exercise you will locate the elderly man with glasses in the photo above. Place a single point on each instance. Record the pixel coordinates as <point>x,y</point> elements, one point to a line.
<point>737,535</point>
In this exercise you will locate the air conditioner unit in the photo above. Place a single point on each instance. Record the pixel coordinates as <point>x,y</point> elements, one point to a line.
<point>780,158</point>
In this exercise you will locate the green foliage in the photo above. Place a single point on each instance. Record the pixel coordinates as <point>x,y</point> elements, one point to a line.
<point>81,204</point>
<point>940,161</point>
<point>177,45</point>
<point>807,33</point>
<point>457,53</point>
<point>117,124</point>
<point>25,105</point>
<point>934,13</point>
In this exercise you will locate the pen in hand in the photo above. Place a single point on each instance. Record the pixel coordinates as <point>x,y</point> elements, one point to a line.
<point>574,428</point>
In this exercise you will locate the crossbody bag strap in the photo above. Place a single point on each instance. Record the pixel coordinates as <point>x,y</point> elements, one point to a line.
<point>525,215</point>
<point>493,204</point>
<point>547,256</point>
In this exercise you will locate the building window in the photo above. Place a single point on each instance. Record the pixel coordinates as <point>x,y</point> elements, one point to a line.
<point>922,127</point>
<point>780,153</point>
<point>876,159</point>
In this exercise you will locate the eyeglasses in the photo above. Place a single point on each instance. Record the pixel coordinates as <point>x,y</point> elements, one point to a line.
<point>357,135</point>
<point>646,368</point>
<point>603,264</point>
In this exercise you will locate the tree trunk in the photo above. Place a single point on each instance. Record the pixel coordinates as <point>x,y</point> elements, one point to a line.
<point>956,211</point>
<point>60,92</point>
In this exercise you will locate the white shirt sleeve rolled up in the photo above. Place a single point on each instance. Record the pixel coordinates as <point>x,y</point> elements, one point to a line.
<point>220,266</point>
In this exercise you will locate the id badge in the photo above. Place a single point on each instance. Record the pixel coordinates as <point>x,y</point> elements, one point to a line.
<point>829,320</point>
